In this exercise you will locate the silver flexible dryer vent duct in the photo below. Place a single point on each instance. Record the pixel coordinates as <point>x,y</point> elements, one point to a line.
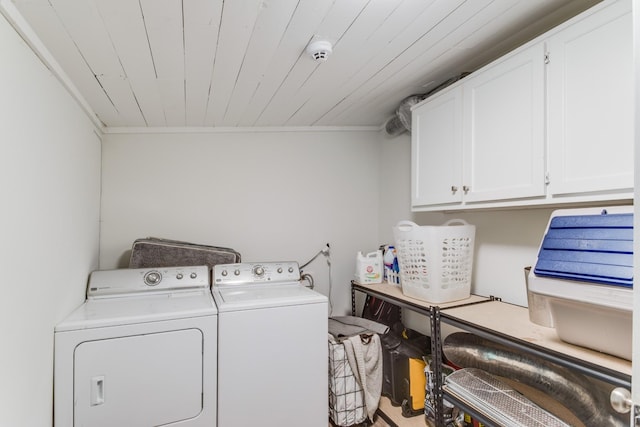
<point>401,121</point>
<point>586,400</point>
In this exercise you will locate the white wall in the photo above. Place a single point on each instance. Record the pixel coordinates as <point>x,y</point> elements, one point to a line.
<point>50,192</point>
<point>506,242</point>
<point>276,195</point>
<point>395,183</point>
<point>271,195</point>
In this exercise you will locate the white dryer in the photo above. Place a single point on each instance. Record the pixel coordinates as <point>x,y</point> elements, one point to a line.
<point>272,347</point>
<point>141,351</point>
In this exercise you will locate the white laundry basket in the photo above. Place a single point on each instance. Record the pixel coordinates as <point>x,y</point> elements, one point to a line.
<point>435,262</point>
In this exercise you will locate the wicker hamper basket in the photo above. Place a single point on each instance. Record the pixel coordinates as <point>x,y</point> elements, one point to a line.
<point>346,397</point>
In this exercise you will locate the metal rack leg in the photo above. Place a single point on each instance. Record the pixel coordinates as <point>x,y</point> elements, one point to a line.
<point>436,358</point>
<point>353,301</point>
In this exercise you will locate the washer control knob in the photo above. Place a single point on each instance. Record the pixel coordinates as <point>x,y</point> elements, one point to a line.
<point>280,270</point>
<point>258,270</point>
<point>236,272</point>
<point>224,273</point>
<point>152,278</point>
<point>290,270</point>
<point>193,275</point>
<point>179,276</point>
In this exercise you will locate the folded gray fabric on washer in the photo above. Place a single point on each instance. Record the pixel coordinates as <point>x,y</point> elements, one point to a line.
<point>347,326</point>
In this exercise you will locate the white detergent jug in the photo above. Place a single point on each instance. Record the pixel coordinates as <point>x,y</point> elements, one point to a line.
<point>369,268</point>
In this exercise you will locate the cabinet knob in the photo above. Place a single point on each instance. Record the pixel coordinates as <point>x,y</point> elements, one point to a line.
<point>454,188</point>
<point>465,188</point>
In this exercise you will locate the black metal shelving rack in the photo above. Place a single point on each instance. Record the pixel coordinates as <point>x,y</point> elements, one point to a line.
<point>438,314</point>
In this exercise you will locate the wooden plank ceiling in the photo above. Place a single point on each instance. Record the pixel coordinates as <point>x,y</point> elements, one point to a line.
<point>229,63</point>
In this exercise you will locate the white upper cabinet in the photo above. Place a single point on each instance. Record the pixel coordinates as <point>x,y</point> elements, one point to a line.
<point>590,81</point>
<point>436,150</point>
<point>482,140</point>
<point>503,130</point>
<point>550,123</point>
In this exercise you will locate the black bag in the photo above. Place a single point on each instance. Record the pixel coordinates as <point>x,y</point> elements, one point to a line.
<point>380,311</point>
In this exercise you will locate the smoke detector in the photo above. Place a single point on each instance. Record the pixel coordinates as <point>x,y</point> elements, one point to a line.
<point>319,50</point>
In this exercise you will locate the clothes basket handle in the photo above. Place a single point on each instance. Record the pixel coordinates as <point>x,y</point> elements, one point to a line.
<point>406,225</point>
<point>461,221</point>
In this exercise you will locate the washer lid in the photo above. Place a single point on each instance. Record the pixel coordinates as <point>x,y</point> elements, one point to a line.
<point>268,295</point>
<point>95,313</point>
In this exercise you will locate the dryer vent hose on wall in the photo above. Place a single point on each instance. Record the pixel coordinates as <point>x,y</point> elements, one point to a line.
<point>400,122</point>
<point>584,398</point>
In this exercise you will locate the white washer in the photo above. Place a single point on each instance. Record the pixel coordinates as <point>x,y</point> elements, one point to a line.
<point>272,347</point>
<point>141,351</point>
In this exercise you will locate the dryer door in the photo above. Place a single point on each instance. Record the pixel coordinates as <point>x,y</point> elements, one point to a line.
<point>140,380</point>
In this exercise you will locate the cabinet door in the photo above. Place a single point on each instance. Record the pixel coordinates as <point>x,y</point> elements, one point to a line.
<point>503,141</point>
<point>590,82</point>
<point>436,143</point>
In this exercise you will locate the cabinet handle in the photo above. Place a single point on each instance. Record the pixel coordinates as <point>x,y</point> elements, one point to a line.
<point>454,188</point>
<point>465,188</point>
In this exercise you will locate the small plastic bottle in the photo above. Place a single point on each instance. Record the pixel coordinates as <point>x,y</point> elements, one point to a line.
<point>389,259</point>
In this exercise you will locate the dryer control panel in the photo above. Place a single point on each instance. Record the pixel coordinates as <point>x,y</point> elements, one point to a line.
<point>247,273</point>
<point>103,283</point>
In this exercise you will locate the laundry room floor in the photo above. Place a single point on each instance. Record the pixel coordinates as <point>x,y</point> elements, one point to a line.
<point>379,422</point>
<point>395,414</point>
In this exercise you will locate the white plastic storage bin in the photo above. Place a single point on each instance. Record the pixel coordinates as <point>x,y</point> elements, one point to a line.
<point>436,262</point>
<point>585,271</point>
